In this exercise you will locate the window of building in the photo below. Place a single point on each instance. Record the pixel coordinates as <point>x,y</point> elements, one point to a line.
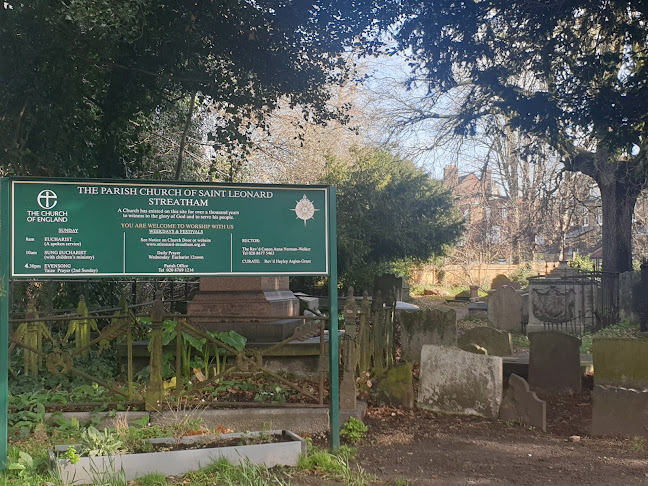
<point>495,234</point>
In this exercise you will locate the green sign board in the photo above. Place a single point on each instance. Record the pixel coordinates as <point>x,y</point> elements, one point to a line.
<point>91,228</point>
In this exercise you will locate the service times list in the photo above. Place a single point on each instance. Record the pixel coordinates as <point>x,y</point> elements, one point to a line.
<point>113,229</point>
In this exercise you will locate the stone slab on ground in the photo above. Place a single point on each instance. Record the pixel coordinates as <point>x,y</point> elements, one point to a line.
<point>505,309</point>
<point>429,326</point>
<point>456,381</point>
<point>554,362</point>
<point>521,404</point>
<point>619,411</point>
<point>496,342</point>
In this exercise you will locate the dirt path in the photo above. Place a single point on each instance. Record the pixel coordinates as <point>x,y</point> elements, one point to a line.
<point>425,448</point>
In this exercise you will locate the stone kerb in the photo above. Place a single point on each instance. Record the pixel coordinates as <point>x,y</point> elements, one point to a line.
<point>522,404</point>
<point>554,362</point>
<point>429,326</point>
<point>456,381</point>
<point>505,309</point>
<point>621,362</point>
<point>497,343</point>
<point>619,411</point>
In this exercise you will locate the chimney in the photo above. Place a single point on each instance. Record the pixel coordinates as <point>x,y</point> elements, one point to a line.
<point>488,190</point>
<point>451,176</point>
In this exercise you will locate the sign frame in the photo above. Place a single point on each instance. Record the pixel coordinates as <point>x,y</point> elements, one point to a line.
<point>91,203</point>
<point>7,254</point>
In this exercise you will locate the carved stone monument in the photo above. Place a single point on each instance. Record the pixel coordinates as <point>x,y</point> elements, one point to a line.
<point>265,298</point>
<point>562,301</point>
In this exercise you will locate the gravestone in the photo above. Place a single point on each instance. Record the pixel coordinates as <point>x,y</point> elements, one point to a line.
<point>505,309</point>
<point>501,280</point>
<point>397,388</point>
<point>429,326</point>
<point>523,405</point>
<point>554,362</point>
<point>621,362</point>
<point>456,381</point>
<point>497,343</point>
<point>474,348</point>
<point>619,411</point>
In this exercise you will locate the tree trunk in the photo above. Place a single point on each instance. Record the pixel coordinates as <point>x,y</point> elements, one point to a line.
<point>620,183</point>
<point>618,201</point>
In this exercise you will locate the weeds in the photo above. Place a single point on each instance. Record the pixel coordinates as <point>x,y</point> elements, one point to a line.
<point>225,473</point>
<point>624,329</point>
<point>354,430</point>
<point>334,466</point>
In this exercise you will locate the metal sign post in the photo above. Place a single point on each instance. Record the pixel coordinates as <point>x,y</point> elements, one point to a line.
<point>333,328</point>
<point>4,319</point>
<point>62,228</point>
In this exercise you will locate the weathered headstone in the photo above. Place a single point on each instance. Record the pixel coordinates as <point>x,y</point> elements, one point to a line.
<point>621,362</point>
<point>619,411</point>
<point>429,326</point>
<point>505,309</point>
<point>497,343</point>
<point>521,404</point>
<point>397,388</point>
<point>455,381</point>
<point>554,362</point>
<point>475,348</point>
<point>501,280</point>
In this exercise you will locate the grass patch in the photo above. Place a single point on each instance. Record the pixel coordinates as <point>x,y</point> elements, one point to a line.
<point>245,474</point>
<point>335,466</point>
<point>153,479</point>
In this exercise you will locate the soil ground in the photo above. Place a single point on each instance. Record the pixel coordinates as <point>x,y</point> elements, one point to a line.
<point>415,447</point>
